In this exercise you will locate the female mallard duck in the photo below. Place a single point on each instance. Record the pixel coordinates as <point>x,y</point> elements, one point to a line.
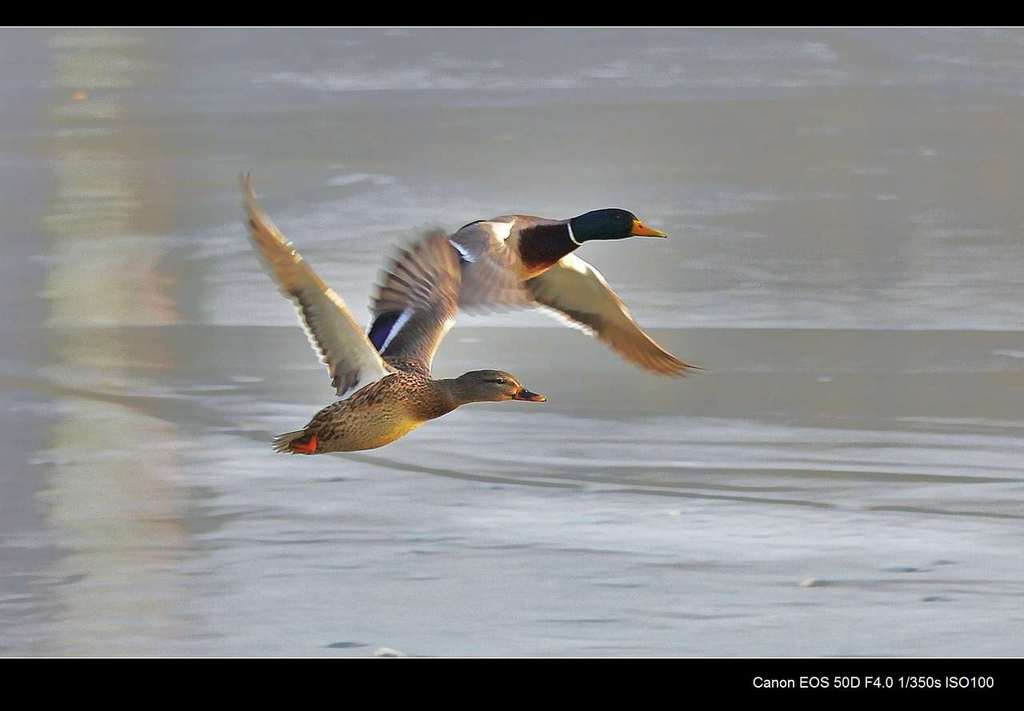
<point>393,394</point>
<point>524,260</point>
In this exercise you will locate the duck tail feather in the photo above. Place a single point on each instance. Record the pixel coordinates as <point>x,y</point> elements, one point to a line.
<point>298,442</point>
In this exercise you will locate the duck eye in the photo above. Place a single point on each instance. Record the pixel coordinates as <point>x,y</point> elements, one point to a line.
<point>499,381</point>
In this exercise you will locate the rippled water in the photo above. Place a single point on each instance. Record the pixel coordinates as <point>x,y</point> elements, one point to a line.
<point>845,260</point>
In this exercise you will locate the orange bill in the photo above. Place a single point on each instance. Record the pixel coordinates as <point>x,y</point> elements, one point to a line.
<point>525,394</point>
<point>642,230</point>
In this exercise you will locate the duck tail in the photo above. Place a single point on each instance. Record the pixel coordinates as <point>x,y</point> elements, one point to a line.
<point>299,442</point>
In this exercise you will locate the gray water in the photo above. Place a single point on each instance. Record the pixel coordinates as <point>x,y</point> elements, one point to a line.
<point>845,260</point>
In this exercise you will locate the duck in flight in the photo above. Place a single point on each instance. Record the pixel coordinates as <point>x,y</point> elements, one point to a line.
<point>392,389</point>
<point>528,261</point>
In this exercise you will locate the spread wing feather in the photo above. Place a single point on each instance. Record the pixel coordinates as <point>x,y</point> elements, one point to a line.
<point>416,302</point>
<point>351,359</point>
<point>579,294</point>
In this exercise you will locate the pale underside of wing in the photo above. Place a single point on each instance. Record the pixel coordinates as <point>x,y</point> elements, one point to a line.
<point>491,277</point>
<point>578,293</point>
<point>416,302</point>
<point>351,360</point>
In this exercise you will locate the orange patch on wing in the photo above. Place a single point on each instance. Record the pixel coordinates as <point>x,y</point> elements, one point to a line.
<point>307,447</point>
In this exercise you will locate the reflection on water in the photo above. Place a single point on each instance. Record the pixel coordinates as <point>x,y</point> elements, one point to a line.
<point>114,490</point>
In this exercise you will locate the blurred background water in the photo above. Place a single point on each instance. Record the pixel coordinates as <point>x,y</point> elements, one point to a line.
<point>845,259</point>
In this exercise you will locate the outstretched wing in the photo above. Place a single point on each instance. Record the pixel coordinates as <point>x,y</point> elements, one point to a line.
<point>491,275</point>
<point>350,357</point>
<point>577,291</point>
<point>416,302</point>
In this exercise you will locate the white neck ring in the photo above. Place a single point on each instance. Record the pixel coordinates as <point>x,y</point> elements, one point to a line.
<point>572,236</point>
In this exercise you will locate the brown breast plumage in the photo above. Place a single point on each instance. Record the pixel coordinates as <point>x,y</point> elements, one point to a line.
<point>379,413</point>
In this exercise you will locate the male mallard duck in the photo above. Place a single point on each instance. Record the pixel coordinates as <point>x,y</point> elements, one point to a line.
<point>394,394</point>
<point>525,260</point>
